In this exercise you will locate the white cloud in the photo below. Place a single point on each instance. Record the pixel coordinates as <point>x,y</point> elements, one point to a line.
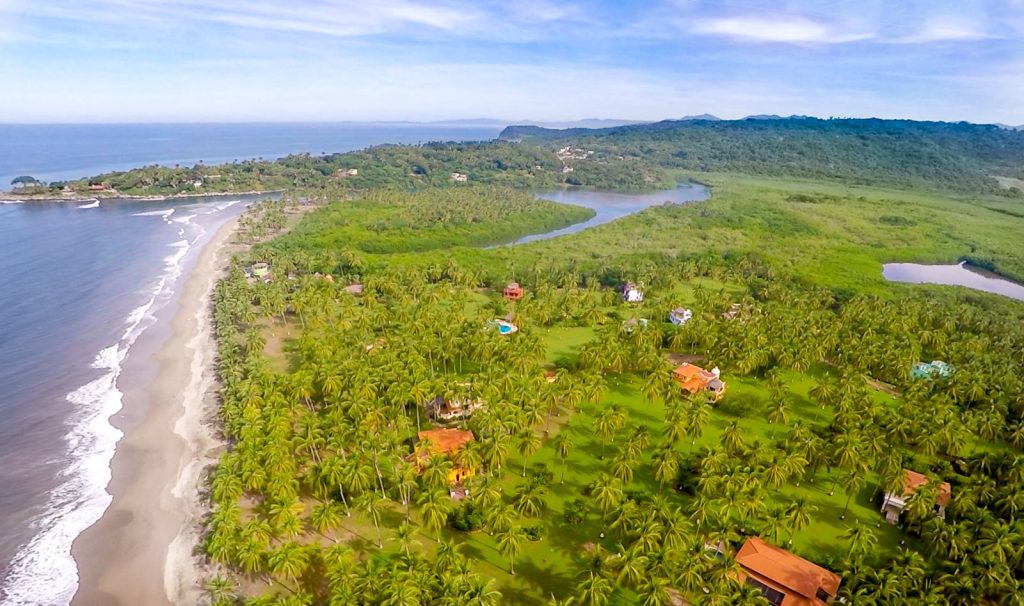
<point>793,30</point>
<point>947,28</point>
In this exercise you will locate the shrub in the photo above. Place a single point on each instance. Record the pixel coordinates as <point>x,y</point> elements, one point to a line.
<point>466,518</point>
<point>575,512</point>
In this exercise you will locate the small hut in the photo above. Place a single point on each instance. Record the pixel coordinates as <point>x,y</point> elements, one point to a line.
<point>513,291</point>
<point>260,271</point>
<point>631,293</point>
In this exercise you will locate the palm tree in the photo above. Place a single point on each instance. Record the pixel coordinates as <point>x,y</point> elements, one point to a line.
<point>852,483</point>
<point>373,504</point>
<point>632,567</point>
<point>480,592</point>
<point>594,590</point>
<point>666,466</point>
<point>406,536</point>
<point>529,443</point>
<point>563,446</point>
<point>510,543</point>
<point>607,491</point>
<point>605,427</point>
<point>529,499</point>
<point>289,560</point>
<point>434,507</point>
<point>221,589</point>
<point>326,517</point>
<point>732,438</point>
<point>799,515</point>
<point>500,518</point>
<point>861,538</point>
<point>623,467</point>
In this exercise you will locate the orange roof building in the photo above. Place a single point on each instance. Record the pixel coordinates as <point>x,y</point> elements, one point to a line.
<point>893,504</point>
<point>513,292</point>
<point>446,442</point>
<point>785,578</point>
<point>695,379</point>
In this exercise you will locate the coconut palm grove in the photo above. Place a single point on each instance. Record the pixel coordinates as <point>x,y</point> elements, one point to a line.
<point>406,426</point>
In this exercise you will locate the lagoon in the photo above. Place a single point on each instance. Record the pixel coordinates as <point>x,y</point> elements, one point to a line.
<point>960,274</point>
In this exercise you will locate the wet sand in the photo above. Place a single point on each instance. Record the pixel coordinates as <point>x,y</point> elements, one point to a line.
<point>140,551</point>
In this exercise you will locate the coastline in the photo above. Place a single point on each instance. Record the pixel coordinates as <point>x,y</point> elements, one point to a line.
<point>12,198</point>
<point>154,520</point>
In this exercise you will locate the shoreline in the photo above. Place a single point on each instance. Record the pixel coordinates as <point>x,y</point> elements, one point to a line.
<point>154,520</point>
<point>17,199</point>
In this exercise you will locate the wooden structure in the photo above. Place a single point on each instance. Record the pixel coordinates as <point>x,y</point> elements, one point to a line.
<point>785,578</point>
<point>893,504</point>
<point>694,379</point>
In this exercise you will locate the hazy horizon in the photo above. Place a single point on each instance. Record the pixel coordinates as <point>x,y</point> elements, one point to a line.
<point>187,61</point>
<point>491,121</point>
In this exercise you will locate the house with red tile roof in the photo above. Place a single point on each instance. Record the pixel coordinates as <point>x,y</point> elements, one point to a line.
<point>694,379</point>
<point>513,291</point>
<point>444,442</point>
<point>785,578</point>
<point>893,504</point>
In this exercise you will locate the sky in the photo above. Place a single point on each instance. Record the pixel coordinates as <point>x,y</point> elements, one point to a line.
<point>365,60</point>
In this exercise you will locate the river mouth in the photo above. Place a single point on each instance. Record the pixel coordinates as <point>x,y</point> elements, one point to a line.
<point>609,206</point>
<point>960,274</point>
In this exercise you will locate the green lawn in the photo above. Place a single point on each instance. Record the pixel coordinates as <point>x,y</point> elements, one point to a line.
<point>547,566</point>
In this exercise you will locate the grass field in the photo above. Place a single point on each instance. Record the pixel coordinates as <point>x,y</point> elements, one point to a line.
<point>825,233</point>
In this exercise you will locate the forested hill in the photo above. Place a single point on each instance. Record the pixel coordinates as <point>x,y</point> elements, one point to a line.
<point>959,155</point>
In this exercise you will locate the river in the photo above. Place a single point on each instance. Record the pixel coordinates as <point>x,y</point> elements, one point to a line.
<point>610,206</point>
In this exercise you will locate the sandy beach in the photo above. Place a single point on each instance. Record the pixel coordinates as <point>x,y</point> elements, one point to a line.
<point>140,551</point>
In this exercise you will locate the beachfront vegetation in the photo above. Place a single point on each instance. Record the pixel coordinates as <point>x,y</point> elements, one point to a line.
<point>604,485</point>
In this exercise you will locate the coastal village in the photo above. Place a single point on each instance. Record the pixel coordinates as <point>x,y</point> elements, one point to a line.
<point>436,303</point>
<point>450,447</point>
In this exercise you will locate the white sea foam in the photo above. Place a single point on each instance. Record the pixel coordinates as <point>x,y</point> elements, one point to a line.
<point>156,213</point>
<point>43,573</point>
<point>93,204</point>
<point>226,205</point>
<point>186,219</point>
<point>12,201</point>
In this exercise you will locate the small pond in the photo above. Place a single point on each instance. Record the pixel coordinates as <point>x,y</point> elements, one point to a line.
<point>612,205</point>
<point>953,275</point>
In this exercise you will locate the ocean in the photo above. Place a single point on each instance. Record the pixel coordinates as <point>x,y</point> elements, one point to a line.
<point>58,152</point>
<point>85,283</point>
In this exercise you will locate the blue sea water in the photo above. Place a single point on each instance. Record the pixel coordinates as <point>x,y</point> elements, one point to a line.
<point>53,152</point>
<point>82,283</point>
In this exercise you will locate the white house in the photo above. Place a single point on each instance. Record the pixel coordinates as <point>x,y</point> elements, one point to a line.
<point>893,504</point>
<point>680,316</point>
<point>631,293</point>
